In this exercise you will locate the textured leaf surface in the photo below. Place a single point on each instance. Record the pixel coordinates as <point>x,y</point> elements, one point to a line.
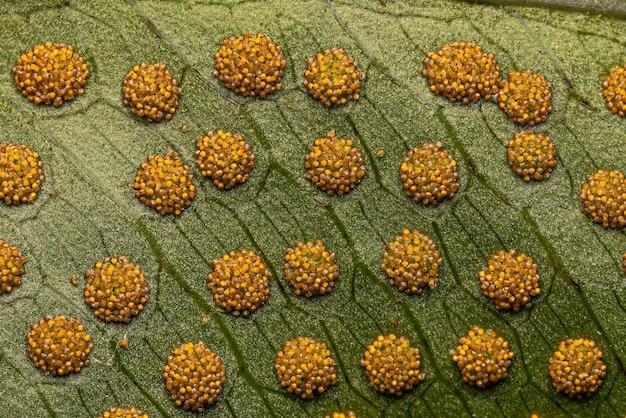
<point>93,146</point>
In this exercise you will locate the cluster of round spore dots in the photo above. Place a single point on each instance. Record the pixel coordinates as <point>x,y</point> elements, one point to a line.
<point>334,164</point>
<point>11,267</point>
<point>117,412</point>
<point>511,280</point>
<point>116,289</point>
<point>526,97</point>
<point>531,155</point>
<point>225,157</point>
<point>151,92</point>
<point>253,65</point>
<point>194,376</point>
<point>310,269</point>
<point>614,92</point>
<point>239,282</point>
<point>392,365</point>
<point>51,74</point>
<point>165,184</point>
<point>462,71</point>
<point>604,198</point>
<point>250,64</point>
<point>305,367</point>
<point>576,368</point>
<point>21,174</point>
<point>411,262</point>
<point>59,346</point>
<point>332,77</point>
<point>429,174</point>
<point>483,357</point>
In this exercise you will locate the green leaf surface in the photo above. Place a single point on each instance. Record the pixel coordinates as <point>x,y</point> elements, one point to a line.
<point>86,211</point>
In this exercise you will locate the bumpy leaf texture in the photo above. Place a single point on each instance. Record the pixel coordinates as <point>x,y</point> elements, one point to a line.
<point>86,211</point>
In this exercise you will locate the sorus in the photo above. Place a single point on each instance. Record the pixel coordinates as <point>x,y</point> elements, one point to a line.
<point>462,71</point>
<point>251,64</point>
<point>332,77</point>
<point>305,367</point>
<point>51,74</point>
<point>483,357</point>
<point>194,376</point>
<point>392,365</point>
<point>576,368</point>
<point>151,92</point>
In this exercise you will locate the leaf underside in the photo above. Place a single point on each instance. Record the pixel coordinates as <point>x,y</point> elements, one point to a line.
<point>86,211</point>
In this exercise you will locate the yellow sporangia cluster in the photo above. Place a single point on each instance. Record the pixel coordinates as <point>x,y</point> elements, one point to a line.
<point>117,412</point>
<point>576,368</point>
<point>165,184</point>
<point>305,367</point>
<point>194,376</point>
<point>225,157</point>
<point>116,289</point>
<point>21,174</point>
<point>462,71</point>
<point>624,263</point>
<point>392,365</point>
<point>411,262</point>
<point>59,346</point>
<point>310,269</point>
<point>11,267</point>
<point>250,64</point>
<point>604,198</point>
<point>349,414</point>
<point>531,155</point>
<point>526,97</point>
<point>429,174</point>
<point>151,92</point>
<point>332,77</point>
<point>510,280</point>
<point>483,357</point>
<point>51,74</point>
<point>334,164</point>
<point>239,282</point>
<point>614,92</point>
